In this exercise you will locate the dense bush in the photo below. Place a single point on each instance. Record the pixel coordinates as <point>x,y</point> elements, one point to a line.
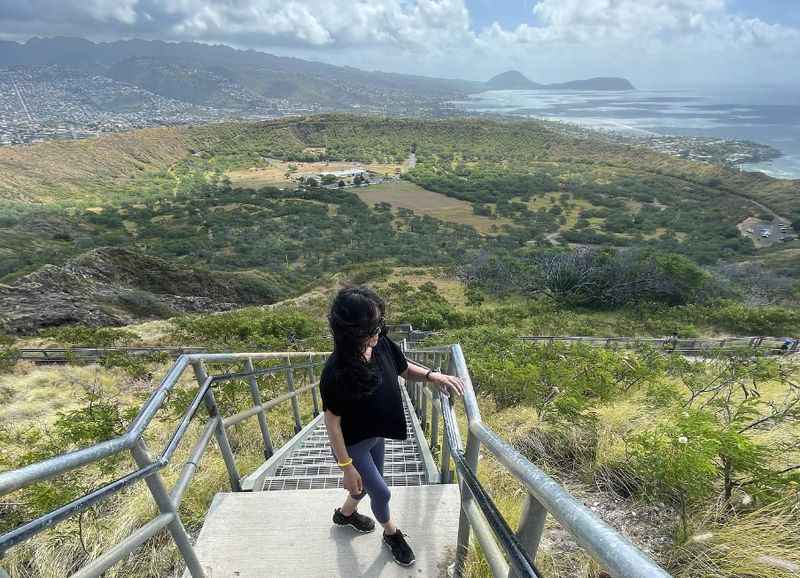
<point>599,279</point>
<point>85,336</point>
<point>423,307</point>
<point>250,329</point>
<point>741,319</point>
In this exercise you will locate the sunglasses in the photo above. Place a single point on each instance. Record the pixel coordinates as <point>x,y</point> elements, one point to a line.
<point>379,329</point>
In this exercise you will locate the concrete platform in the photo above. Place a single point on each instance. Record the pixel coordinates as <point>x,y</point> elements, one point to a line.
<point>290,534</point>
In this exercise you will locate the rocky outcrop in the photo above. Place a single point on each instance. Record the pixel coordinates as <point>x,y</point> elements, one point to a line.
<point>112,286</point>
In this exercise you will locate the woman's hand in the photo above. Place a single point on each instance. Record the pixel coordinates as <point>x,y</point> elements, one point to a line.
<point>352,480</point>
<point>448,383</point>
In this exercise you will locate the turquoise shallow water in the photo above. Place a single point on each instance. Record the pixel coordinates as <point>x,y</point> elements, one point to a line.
<point>765,115</point>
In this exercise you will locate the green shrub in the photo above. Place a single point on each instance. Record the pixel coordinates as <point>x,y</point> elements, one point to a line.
<point>741,319</point>
<point>676,462</point>
<point>423,307</point>
<point>8,353</point>
<point>85,336</point>
<point>246,329</point>
<point>137,366</point>
<point>369,272</point>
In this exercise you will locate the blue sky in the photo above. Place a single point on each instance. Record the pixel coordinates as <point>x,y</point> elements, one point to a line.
<point>654,43</point>
<point>511,13</point>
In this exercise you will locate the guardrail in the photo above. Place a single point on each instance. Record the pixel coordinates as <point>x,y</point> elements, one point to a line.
<point>83,354</point>
<point>148,468</point>
<point>774,345</point>
<point>606,546</point>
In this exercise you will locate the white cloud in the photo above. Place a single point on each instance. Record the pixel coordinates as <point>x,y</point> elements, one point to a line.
<point>322,22</point>
<point>102,10</point>
<point>644,39</point>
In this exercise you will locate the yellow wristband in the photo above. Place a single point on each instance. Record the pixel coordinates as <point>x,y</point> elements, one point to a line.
<point>345,464</point>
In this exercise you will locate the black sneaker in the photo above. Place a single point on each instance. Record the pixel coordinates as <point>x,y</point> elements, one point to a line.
<point>358,521</point>
<point>402,552</point>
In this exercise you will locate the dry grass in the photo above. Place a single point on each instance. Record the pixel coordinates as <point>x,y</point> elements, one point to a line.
<point>764,543</point>
<point>423,202</point>
<point>52,171</point>
<point>35,393</point>
<point>59,552</point>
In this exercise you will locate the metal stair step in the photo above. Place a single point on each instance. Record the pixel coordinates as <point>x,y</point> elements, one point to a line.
<point>389,458</point>
<point>321,482</point>
<point>400,467</point>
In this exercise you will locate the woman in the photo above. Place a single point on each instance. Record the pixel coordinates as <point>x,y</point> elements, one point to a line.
<point>362,403</point>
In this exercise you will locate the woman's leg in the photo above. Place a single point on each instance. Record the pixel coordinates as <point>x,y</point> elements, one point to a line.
<point>378,451</point>
<point>371,477</point>
<point>351,502</point>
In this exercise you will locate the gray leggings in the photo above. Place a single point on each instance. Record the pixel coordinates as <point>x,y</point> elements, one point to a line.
<point>368,460</point>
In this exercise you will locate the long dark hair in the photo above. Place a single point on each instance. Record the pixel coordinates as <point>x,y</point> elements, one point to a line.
<point>355,314</point>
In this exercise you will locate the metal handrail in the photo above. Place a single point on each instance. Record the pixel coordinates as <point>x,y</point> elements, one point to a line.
<point>684,345</point>
<point>545,495</point>
<point>522,563</point>
<point>148,468</point>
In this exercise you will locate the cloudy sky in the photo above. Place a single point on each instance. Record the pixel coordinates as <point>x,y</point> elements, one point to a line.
<point>654,43</point>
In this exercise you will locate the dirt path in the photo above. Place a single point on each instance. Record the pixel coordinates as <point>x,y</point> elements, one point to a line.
<point>552,238</point>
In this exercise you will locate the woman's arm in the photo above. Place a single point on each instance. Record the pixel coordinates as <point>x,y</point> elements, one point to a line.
<point>416,373</point>
<point>352,479</point>
<point>333,423</point>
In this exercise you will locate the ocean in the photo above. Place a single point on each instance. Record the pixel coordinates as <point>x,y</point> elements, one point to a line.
<point>764,115</point>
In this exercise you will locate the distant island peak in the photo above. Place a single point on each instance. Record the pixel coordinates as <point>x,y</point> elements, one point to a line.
<point>515,80</point>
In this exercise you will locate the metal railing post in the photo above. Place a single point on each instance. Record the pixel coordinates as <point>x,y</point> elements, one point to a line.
<point>436,409</point>
<point>220,434</point>
<point>424,419</point>
<point>262,415</point>
<point>165,505</point>
<point>312,379</point>
<point>462,545</point>
<point>444,471</point>
<point>530,528</point>
<point>298,423</point>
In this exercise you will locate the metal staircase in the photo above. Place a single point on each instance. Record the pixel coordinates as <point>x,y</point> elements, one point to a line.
<point>309,464</point>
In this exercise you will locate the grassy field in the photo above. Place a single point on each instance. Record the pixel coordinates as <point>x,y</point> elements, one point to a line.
<point>406,195</point>
<point>277,173</point>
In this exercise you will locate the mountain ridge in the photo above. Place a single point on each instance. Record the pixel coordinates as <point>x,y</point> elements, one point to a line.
<point>222,76</point>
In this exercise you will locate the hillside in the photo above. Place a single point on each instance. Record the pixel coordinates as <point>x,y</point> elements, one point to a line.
<point>116,286</point>
<point>72,171</point>
<point>196,197</point>
<point>636,435</point>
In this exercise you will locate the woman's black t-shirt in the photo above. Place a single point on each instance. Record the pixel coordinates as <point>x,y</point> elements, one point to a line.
<point>379,414</point>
